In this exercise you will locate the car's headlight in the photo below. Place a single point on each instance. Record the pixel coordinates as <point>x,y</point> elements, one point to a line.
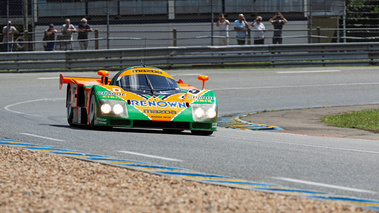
<point>118,109</point>
<point>204,112</point>
<point>211,113</point>
<point>113,108</point>
<point>199,112</point>
<point>106,108</point>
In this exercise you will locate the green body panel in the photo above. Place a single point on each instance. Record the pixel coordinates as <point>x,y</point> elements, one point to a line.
<point>135,114</point>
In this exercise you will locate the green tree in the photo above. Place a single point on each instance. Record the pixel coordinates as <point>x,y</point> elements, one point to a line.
<point>362,14</point>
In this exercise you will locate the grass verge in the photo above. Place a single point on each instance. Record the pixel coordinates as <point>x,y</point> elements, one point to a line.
<point>365,119</point>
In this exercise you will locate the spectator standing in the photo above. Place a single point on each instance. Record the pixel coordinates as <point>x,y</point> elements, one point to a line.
<point>241,26</point>
<point>278,21</point>
<point>258,30</point>
<point>67,30</point>
<point>8,36</point>
<point>84,28</point>
<point>223,25</point>
<point>49,37</point>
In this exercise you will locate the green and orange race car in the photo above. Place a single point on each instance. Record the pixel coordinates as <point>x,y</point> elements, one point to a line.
<point>140,97</point>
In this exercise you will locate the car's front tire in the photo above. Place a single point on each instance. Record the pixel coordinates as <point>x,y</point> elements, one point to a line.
<point>92,115</point>
<point>92,111</point>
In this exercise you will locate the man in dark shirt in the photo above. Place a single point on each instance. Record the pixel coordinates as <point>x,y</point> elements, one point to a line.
<point>278,21</point>
<point>84,28</point>
<point>49,37</point>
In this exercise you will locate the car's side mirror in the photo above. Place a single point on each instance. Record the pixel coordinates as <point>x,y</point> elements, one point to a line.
<point>203,78</point>
<point>104,76</point>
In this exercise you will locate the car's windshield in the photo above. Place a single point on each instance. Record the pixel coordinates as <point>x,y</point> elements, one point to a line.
<point>148,83</point>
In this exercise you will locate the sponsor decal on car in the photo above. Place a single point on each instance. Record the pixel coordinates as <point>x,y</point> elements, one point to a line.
<point>101,121</point>
<point>204,101</point>
<point>116,90</point>
<point>206,98</point>
<point>201,98</point>
<point>163,104</point>
<point>111,93</point>
<point>147,71</point>
<point>159,111</point>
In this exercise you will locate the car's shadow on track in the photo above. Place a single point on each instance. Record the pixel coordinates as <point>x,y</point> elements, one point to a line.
<point>122,129</point>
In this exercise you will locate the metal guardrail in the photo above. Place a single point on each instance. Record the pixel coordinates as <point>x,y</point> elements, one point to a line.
<point>324,54</point>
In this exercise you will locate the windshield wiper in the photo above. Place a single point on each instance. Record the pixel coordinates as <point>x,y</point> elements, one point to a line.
<point>150,85</point>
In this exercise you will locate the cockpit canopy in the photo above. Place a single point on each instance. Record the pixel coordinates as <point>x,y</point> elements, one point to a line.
<point>148,84</point>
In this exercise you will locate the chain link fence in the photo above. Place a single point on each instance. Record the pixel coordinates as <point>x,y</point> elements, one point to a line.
<point>161,23</point>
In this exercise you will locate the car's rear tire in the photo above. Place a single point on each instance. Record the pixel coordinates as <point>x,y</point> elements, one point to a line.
<point>69,112</point>
<point>198,132</point>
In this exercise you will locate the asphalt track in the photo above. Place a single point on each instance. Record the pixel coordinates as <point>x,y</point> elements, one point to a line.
<point>32,109</point>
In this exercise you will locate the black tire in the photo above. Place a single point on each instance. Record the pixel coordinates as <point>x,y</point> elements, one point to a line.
<point>91,115</point>
<point>204,133</point>
<point>92,111</point>
<point>69,113</point>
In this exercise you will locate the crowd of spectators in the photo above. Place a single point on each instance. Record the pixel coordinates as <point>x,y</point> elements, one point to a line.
<point>241,27</point>
<point>52,41</point>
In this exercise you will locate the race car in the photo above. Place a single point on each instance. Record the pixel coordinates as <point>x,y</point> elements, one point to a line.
<point>140,97</point>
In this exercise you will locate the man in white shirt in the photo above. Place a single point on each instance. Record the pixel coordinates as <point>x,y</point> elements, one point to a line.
<point>223,25</point>
<point>258,29</point>
<point>67,30</point>
<point>8,36</point>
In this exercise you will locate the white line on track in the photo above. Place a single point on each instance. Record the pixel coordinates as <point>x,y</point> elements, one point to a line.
<point>48,78</point>
<point>298,86</point>
<point>328,147</point>
<point>312,146</point>
<point>309,71</point>
<point>26,102</point>
<point>151,156</point>
<point>324,185</point>
<point>38,136</point>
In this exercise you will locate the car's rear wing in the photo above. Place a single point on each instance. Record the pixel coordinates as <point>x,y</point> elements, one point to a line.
<point>85,80</point>
<point>182,85</point>
<point>185,86</point>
